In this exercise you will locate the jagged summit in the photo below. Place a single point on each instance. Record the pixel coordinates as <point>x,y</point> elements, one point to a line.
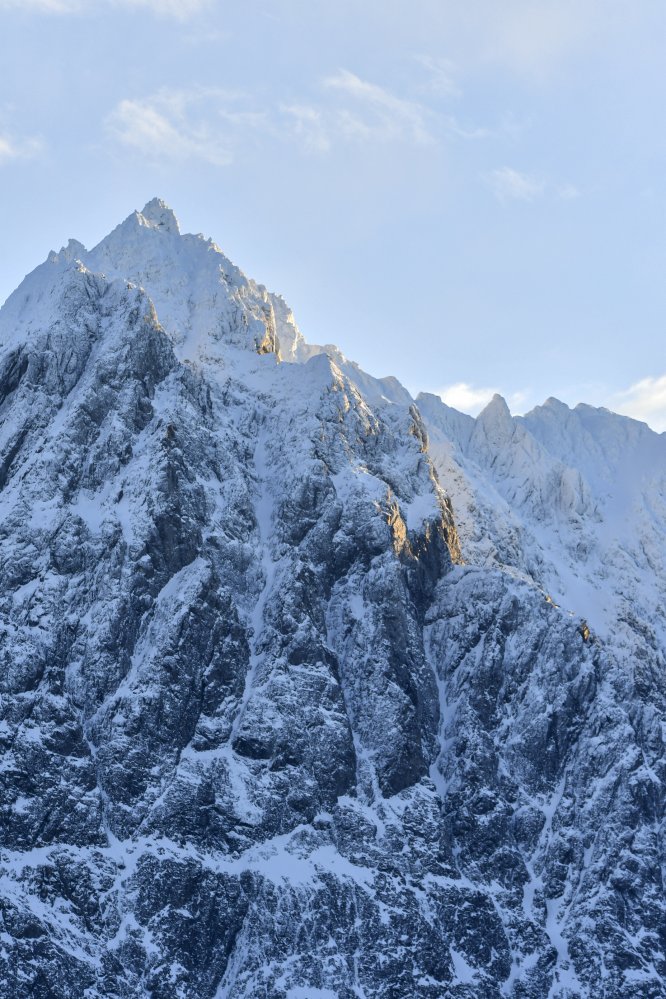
<point>495,425</point>
<point>203,301</point>
<point>74,250</point>
<point>158,213</point>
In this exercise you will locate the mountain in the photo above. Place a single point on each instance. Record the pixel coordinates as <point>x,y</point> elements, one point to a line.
<point>289,707</point>
<point>573,500</point>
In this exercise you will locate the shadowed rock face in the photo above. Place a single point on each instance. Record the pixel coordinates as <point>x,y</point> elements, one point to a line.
<point>264,735</point>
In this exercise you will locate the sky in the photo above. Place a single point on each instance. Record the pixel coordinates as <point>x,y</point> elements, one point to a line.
<point>469,195</point>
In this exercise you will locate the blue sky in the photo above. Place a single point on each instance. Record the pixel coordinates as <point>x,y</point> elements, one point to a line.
<point>468,195</point>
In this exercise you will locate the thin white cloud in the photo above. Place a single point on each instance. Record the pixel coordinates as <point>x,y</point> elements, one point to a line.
<point>213,125</point>
<point>472,399</point>
<point>568,192</point>
<point>441,76</point>
<point>508,184</point>
<point>180,125</point>
<point>644,400</point>
<point>308,125</point>
<point>182,10</point>
<point>511,185</point>
<point>355,110</point>
<point>45,6</point>
<point>18,149</point>
<point>466,397</point>
<point>373,112</point>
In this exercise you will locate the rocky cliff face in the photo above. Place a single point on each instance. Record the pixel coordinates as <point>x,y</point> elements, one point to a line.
<point>265,734</point>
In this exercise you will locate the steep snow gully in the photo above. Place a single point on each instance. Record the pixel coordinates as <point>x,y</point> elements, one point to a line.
<point>310,689</point>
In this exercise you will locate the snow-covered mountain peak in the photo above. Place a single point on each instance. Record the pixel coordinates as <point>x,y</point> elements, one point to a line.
<point>496,411</point>
<point>556,405</point>
<point>494,425</point>
<point>202,300</point>
<point>158,214</point>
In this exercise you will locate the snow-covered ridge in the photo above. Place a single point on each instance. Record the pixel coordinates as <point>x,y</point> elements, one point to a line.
<point>574,499</point>
<point>569,498</point>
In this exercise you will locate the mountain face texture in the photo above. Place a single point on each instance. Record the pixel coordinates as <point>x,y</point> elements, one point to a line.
<point>309,690</point>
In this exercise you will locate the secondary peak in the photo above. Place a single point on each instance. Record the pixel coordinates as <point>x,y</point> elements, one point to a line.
<point>497,407</point>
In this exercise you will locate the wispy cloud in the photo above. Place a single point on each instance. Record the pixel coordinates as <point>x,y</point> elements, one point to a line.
<point>440,76</point>
<point>374,112</point>
<point>511,185</point>
<point>472,399</point>
<point>45,6</point>
<point>508,184</point>
<point>213,124</point>
<point>183,124</point>
<point>568,192</point>
<point>644,400</point>
<point>12,148</point>
<point>308,125</point>
<point>182,10</point>
<point>351,109</point>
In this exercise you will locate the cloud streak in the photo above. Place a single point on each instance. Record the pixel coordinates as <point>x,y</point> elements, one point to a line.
<point>441,77</point>
<point>18,149</point>
<point>42,6</point>
<point>181,10</point>
<point>212,125</point>
<point>308,126</point>
<point>177,125</point>
<point>508,184</point>
<point>374,112</point>
<point>644,400</point>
